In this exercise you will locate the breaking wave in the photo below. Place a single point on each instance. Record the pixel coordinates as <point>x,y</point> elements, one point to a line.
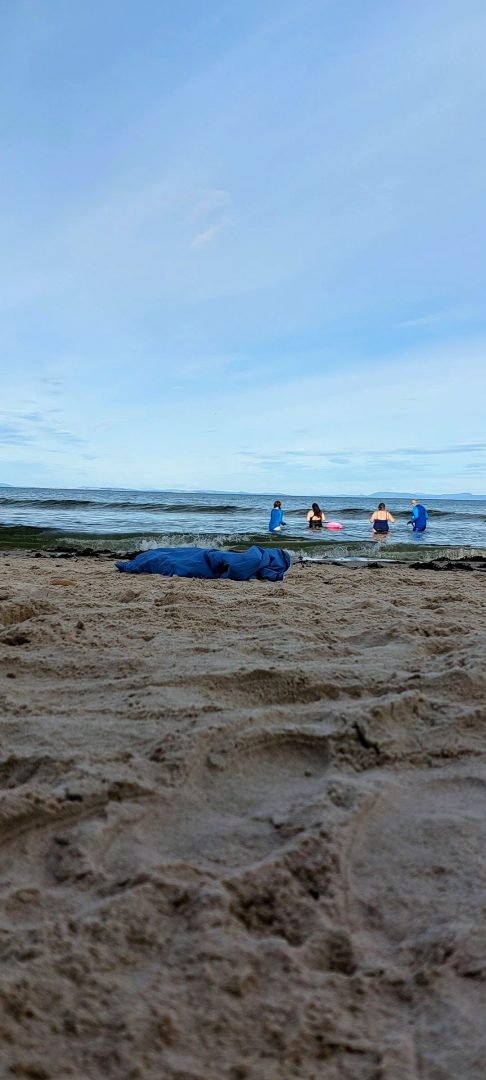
<point>30,538</point>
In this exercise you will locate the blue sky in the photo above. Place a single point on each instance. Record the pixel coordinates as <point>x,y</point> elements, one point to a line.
<point>242,245</point>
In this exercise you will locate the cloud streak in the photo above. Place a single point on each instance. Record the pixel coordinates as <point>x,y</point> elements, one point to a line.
<point>35,428</point>
<point>205,237</point>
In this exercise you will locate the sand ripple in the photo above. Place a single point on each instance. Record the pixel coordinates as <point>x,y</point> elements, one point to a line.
<point>242,825</point>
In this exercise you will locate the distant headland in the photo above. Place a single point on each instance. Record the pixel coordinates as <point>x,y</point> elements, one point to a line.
<point>423,495</point>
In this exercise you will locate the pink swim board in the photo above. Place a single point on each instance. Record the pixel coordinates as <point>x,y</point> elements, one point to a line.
<point>333,525</point>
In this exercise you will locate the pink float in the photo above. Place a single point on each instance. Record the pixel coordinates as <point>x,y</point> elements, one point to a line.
<point>335,525</point>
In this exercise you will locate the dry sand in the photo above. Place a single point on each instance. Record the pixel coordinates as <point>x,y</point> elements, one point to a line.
<point>243,825</point>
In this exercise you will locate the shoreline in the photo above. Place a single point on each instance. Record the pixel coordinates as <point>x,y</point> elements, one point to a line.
<point>242,823</point>
<point>462,562</point>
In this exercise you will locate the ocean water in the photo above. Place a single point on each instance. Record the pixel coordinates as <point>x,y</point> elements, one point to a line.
<point>121,521</point>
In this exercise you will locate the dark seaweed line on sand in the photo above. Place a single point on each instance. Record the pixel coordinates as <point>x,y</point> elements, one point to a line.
<point>465,562</point>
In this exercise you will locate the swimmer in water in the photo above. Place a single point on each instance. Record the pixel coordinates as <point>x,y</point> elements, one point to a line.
<point>381,520</point>
<point>419,517</point>
<point>315,517</point>
<point>276,523</point>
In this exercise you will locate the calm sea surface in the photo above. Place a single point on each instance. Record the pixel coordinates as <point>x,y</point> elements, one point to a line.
<point>119,520</point>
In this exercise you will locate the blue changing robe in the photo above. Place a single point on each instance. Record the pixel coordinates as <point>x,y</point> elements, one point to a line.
<point>255,562</point>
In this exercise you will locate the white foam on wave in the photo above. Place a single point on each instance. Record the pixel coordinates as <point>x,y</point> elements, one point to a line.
<point>200,540</point>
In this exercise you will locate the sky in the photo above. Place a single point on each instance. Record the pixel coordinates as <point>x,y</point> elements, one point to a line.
<point>242,245</point>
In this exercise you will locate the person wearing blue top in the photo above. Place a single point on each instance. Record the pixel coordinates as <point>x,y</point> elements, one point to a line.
<point>276,522</point>
<point>419,517</point>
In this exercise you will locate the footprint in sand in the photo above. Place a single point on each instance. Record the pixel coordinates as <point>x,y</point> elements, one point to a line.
<point>225,815</point>
<point>265,771</point>
<point>261,686</point>
<point>417,856</point>
<point>416,888</point>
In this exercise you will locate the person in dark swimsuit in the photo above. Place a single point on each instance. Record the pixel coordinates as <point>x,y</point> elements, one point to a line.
<point>315,517</point>
<point>381,519</point>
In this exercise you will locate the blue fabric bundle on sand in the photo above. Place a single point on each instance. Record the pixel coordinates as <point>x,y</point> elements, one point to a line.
<point>256,562</point>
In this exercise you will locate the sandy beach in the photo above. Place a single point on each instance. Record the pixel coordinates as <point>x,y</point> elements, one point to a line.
<point>243,825</point>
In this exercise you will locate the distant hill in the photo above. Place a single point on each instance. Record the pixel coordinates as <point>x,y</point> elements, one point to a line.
<point>421,495</point>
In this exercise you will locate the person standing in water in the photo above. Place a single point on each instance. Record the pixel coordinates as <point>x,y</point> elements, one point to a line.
<point>316,516</point>
<point>419,517</point>
<point>381,520</point>
<point>276,522</point>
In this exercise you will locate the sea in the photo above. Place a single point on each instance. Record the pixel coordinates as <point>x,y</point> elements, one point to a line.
<point>125,521</point>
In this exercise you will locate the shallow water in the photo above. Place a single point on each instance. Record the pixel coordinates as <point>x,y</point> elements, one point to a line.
<point>120,520</point>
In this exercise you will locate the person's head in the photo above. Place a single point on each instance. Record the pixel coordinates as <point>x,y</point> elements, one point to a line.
<point>316,510</point>
<point>381,506</point>
<point>277,504</point>
<point>414,502</point>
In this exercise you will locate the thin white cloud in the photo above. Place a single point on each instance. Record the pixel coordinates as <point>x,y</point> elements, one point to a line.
<point>437,317</point>
<point>210,203</point>
<point>364,456</point>
<point>109,422</point>
<point>205,237</point>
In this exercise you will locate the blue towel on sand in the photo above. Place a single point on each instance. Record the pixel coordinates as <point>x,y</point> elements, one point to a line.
<point>256,562</point>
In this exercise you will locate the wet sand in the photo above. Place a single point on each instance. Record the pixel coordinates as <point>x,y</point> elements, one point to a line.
<point>243,825</point>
